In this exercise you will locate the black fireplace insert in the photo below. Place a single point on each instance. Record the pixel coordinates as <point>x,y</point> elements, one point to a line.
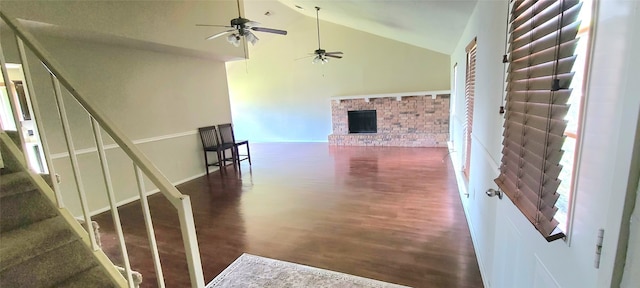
<point>363,121</point>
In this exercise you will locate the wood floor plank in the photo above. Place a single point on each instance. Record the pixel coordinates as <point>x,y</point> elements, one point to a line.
<point>387,213</point>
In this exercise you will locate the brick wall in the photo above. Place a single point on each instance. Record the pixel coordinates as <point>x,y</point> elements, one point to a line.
<point>414,121</point>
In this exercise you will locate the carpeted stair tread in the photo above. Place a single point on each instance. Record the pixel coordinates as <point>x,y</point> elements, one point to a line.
<point>95,277</point>
<point>22,209</point>
<point>15,183</point>
<point>25,243</point>
<point>38,248</point>
<point>50,268</point>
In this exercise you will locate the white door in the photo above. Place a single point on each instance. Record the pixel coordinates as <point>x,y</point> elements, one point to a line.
<point>522,258</point>
<point>18,89</point>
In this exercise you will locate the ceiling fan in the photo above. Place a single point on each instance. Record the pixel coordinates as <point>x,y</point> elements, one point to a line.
<point>322,56</point>
<point>242,27</point>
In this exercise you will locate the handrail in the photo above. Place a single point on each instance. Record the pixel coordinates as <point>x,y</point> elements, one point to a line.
<point>181,202</point>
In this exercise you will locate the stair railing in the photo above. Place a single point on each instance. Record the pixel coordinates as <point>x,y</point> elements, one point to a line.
<point>142,165</point>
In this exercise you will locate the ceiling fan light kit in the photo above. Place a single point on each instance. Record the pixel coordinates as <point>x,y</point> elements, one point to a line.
<point>234,39</point>
<point>320,59</point>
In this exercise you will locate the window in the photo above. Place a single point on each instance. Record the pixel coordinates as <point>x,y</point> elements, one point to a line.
<point>452,104</point>
<point>469,92</point>
<point>544,101</point>
<point>573,118</point>
<point>454,89</point>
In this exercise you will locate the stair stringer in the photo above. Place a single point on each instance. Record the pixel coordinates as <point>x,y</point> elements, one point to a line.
<point>101,258</point>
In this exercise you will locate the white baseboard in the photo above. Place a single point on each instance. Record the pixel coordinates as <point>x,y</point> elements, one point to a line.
<point>149,193</point>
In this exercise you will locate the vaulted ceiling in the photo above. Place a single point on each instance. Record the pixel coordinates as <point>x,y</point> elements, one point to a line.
<point>165,25</point>
<point>432,24</point>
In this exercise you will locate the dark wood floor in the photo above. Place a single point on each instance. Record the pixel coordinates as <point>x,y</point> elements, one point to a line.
<point>391,214</point>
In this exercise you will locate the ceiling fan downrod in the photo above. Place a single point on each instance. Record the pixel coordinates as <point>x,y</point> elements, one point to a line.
<point>318,25</point>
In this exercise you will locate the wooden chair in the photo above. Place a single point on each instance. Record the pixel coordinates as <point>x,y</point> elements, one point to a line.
<point>211,143</point>
<point>227,138</point>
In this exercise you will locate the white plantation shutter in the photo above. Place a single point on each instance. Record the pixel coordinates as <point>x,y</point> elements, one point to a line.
<point>542,44</point>
<point>469,94</point>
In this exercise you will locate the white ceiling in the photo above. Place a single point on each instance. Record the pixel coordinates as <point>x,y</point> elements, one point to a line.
<point>432,24</point>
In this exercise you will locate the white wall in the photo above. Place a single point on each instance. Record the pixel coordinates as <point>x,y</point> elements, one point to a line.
<point>632,266</point>
<point>276,98</point>
<point>147,66</point>
<point>164,24</point>
<point>486,24</point>
<point>509,250</point>
<point>627,271</point>
<point>157,99</point>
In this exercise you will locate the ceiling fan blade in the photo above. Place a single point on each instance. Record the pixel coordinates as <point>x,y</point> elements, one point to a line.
<point>329,53</point>
<point>212,25</point>
<point>219,34</point>
<point>252,24</point>
<point>305,57</point>
<point>333,56</point>
<point>269,30</point>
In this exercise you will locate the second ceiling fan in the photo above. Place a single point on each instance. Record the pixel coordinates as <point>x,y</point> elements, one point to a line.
<point>322,56</point>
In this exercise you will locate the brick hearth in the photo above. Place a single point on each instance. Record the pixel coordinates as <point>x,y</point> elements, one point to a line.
<point>409,121</point>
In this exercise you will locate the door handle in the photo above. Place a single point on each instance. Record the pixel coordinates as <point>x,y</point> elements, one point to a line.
<point>493,192</point>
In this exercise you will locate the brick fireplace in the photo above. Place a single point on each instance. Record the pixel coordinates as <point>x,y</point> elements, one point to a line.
<point>418,119</point>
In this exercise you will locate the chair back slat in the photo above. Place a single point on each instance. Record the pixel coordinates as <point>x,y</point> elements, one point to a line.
<point>209,136</point>
<point>226,133</point>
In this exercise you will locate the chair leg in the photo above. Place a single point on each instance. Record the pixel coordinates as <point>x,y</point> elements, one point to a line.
<point>236,156</point>
<point>206,162</point>
<point>220,162</point>
<point>248,153</point>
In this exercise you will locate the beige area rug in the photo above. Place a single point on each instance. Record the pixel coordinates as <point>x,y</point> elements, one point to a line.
<point>255,271</point>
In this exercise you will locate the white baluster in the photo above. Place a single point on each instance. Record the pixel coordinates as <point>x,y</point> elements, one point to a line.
<point>190,240</point>
<point>148,223</point>
<point>74,162</point>
<point>112,199</point>
<point>38,119</point>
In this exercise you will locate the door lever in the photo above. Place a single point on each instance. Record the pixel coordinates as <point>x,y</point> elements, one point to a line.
<point>493,192</point>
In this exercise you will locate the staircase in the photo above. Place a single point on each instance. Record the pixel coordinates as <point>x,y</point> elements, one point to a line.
<point>38,247</point>
<point>41,243</point>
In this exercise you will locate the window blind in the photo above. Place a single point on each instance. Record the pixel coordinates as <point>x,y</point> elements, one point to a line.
<point>541,46</point>
<point>469,92</point>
